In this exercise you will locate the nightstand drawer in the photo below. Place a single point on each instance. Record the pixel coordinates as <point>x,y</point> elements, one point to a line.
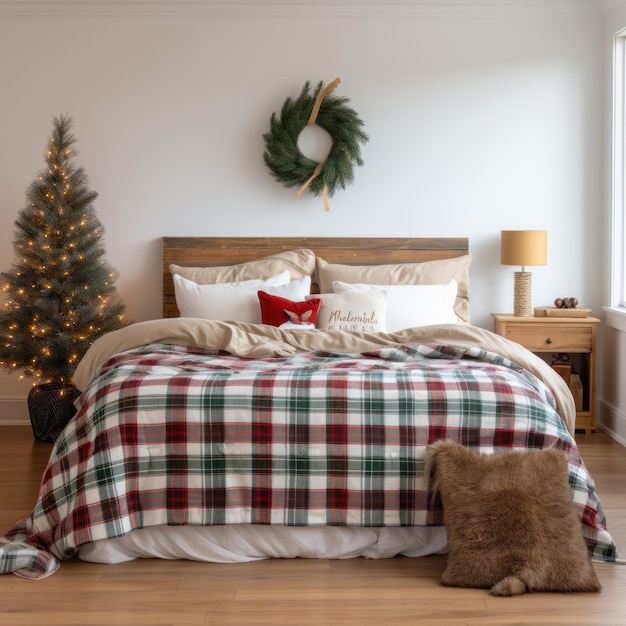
<point>551,338</point>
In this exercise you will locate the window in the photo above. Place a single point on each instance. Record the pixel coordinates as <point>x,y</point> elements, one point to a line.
<point>616,311</point>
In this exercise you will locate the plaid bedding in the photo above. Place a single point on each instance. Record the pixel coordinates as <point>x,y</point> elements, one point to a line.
<point>167,435</point>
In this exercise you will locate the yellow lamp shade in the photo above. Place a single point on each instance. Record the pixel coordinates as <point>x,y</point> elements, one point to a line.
<point>524,247</point>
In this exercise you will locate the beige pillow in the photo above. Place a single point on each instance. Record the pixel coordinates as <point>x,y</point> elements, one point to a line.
<point>427,273</point>
<point>511,522</point>
<point>357,312</point>
<point>299,263</point>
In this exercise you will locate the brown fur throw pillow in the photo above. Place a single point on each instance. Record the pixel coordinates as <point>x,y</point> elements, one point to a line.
<point>512,526</point>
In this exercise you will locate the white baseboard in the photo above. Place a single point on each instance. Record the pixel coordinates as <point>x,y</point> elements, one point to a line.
<point>611,421</point>
<point>14,411</point>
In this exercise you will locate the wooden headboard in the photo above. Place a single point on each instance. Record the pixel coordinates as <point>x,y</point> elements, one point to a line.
<point>211,251</point>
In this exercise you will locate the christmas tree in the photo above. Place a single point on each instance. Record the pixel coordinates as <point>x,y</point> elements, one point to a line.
<point>59,294</point>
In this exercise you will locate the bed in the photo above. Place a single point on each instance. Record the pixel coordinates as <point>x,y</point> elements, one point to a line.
<point>234,428</point>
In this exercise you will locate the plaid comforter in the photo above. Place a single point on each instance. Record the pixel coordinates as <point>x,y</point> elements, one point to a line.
<point>168,435</point>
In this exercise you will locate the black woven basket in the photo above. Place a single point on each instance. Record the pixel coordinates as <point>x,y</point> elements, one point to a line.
<point>51,407</point>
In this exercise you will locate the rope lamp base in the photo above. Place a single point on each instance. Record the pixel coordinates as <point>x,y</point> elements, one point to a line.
<point>522,294</point>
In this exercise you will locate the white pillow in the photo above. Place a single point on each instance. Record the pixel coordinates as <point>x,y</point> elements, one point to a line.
<point>411,305</point>
<point>437,272</point>
<point>360,312</point>
<point>234,301</point>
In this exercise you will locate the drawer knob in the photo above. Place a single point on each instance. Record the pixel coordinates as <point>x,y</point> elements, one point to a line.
<point>549,340</point>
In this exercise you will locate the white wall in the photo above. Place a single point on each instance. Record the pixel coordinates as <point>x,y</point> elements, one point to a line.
<point>477,124</point>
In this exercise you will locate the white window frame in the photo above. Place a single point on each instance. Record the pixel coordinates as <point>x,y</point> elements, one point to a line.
<point>616,310</point>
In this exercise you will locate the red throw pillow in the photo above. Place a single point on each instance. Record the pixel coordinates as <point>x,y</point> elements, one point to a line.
<point>276,311</point>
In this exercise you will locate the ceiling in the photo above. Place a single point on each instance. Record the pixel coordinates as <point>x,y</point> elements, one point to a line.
<point>609,7</point>
<point>585,8</point>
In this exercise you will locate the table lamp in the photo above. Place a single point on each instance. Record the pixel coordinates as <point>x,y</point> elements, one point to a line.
<point>523,247</point>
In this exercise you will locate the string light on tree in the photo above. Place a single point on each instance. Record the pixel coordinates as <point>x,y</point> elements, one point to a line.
<point>59,295</point>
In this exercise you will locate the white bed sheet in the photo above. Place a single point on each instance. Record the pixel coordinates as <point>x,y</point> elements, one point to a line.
<point>243,543</point>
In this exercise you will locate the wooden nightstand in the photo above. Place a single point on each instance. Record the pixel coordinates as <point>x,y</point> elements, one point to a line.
<point>550,335</point>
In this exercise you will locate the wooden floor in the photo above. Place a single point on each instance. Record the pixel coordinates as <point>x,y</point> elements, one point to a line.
<point>352,592</point>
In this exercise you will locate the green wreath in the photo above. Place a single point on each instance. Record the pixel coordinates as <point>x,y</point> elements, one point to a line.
<point>285,160</point>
